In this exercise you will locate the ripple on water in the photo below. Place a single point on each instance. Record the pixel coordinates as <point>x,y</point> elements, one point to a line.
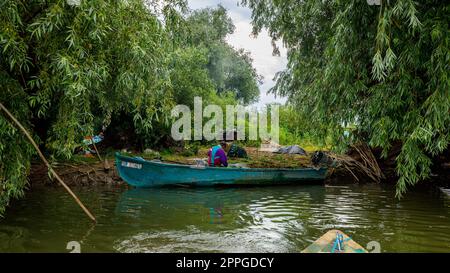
<point>273,219</point>
<point>195,240</point>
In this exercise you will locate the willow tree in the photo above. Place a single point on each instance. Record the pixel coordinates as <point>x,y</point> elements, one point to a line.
<point>384,68</point>
<point>62,60</point>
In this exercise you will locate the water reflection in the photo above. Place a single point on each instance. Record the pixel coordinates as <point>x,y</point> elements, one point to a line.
<point>267,219</point>
<point>282,219</point>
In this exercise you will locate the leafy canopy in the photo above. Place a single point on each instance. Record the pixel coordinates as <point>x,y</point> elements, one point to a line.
<point>383,68</point>
<point>67,69</point>
<point>60,63</point>
<point>229,69</point>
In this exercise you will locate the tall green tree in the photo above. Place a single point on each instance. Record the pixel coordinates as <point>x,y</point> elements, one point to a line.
<point>62,60</point>
<point>230,69</point>
<point>209,25</point>
<point>189,75</point>
<point>67,66</point>
<point>384,68</point>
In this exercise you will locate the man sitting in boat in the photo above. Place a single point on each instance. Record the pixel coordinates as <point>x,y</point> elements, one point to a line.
<point>217,156</point>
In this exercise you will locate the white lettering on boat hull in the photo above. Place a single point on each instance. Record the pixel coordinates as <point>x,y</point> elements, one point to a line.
<point>131,165</point>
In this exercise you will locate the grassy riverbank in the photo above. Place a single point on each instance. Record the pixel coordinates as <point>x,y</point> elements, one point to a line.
<point>256,158</point>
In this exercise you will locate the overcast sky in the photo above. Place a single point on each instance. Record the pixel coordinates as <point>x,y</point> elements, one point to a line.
<point>259,47</point>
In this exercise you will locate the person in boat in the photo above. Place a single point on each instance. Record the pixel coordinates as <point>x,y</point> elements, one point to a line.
<point>217,156</point>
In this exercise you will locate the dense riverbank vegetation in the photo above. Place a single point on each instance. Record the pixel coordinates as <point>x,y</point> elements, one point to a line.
<point>382,68</point>
<point>67,69</point>
<point>356,72</point>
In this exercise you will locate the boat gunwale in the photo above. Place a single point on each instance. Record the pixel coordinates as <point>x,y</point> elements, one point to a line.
<point>174,165</point>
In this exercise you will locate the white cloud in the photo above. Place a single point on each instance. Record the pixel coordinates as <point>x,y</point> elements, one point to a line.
<point>260,47</point>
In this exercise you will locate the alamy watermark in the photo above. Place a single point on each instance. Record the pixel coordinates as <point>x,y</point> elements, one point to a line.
<point>74,2</point>
<point>374,2</point>
<point>373,247</point>
<point>218,128</point>
<point>74,246</point>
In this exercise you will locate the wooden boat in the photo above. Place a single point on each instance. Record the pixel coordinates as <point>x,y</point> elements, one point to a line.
<point>143,173</point>
<point>334,241</point>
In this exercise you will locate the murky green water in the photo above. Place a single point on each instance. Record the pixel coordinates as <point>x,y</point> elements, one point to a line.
<point>272,219</point>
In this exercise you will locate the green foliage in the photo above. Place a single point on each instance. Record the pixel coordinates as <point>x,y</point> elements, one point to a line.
<point>190,76</point>
<point>207,26</point>
<point>232,71</point>
<point>382,68</point>
<point>66,70</point>
<point>296,130</point>
<point>61,63</point>
<point>15,151</point>
<point>229,69</point>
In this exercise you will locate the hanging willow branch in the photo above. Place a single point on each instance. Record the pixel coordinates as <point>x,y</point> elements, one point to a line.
<point>89,214</point>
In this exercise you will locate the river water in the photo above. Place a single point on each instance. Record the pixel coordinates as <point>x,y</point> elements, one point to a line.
<point>264,219</point>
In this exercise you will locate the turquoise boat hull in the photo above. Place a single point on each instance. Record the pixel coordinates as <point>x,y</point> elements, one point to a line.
<point>142,173</point>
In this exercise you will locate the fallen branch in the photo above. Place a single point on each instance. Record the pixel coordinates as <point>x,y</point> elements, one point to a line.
<point>89,214</point>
